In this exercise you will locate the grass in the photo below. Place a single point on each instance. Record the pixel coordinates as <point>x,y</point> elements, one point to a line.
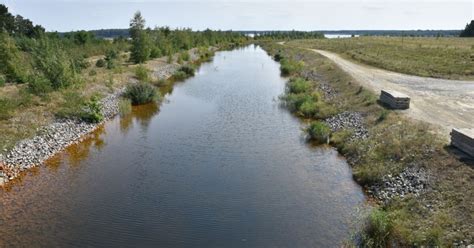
<point>394,143</point>
<point>319,132</point>
<point>451,58</point>
<point>29,110</point>
<point>125,106</point>
<point>183,72</point>
<point>142,73</point>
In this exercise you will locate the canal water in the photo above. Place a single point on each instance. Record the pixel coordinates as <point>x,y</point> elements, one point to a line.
<point>218,164</point>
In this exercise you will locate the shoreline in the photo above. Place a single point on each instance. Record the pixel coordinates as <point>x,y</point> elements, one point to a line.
<point>62,133</point>
<point>402,164</point>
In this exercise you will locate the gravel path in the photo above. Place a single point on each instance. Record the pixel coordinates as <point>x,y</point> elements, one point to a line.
<point>444,103</point>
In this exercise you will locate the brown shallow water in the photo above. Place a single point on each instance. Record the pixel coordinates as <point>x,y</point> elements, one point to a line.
<point>219,164</point>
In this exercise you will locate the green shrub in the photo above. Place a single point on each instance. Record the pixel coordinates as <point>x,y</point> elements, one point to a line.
<point>12,65</point>
<point>2,80</point>
<point>140,93</point>
<point>100,63</point>
<point>92,73</point>
<point>92,111</point>
<point>290,67</point>
<point>339,138</point>
<point>39,85</point>
<point>79,63</point>
<point>142,73</point>
<point>184,56</point>
<point>155,53</point>
<point>183,72</point>
<point>377,230</point>
<point>319,131</point>
<point>54,63</point>
<point>111,58</point>
<point>125,106</point>
<point>278,57</point>
<point>299,85</point>
<point>77,107</point>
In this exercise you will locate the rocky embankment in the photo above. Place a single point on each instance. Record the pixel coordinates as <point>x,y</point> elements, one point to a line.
<point>50,140</point>
<point>411,180</point>
<point>62,133</point>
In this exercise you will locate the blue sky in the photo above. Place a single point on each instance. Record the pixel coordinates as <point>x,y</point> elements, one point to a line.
<point>67,15</point>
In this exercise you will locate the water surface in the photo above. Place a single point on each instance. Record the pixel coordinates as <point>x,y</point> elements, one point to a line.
<point>219,164</point>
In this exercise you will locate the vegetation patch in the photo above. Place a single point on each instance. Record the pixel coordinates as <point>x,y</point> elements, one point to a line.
<point>436,216</point>
<point>423,56</point>
<point>319,132</point>
<point>141,93</point>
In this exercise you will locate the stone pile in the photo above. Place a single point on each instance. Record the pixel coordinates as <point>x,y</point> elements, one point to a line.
<point>50,140</point>
<point>349,120</point>
<point>411,180</point>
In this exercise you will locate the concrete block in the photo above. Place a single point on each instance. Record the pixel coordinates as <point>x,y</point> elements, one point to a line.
<point>463,139</point>
<point>395,99</point>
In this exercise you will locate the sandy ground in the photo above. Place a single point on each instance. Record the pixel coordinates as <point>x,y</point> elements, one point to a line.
<point>444,103</point>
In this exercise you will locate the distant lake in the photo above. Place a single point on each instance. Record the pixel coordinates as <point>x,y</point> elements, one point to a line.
<point>335,36</point>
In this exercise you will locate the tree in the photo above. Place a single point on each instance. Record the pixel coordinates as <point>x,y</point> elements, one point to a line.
<point>469,30</point>
<point>137,24</point>
<point>82,37</point>
<point>141,48</point>
<point>7,21</point>
<point>141,43</point>
<point>10,61</point>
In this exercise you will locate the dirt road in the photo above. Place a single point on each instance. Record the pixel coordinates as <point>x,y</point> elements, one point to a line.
<point>444,103</point>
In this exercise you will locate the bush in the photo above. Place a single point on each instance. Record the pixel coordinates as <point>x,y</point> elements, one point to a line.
<point>100,63</point>
<point>92,111</point>
<point>78,107</point>
<point>92,73</point>
<point>290,67</point>
<point>189,70</point>
<point>142,73</point>
<point>299,85</point>
<point>2,80</point>
<point>54,63</point>
<point>79,63</point>
<point>140,93</point>
<point>39,85</point>
<point>155,53</point>
<point>111,58</point>
<point>183,72</point>
<point>319,131</point>
<point>278,57</point>
<point>377,230</point>
<point>184,56</point>
<point>11,64</point>
<point>125,106</point>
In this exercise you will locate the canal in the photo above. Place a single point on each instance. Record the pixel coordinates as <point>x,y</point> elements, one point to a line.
<point>219,164</point>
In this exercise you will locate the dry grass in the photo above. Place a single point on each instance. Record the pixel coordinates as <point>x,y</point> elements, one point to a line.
<point>451,58</point>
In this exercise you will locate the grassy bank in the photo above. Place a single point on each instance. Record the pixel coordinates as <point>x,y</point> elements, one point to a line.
<point>23,112</point>
<point>451,58</point>
<point>440,214</point>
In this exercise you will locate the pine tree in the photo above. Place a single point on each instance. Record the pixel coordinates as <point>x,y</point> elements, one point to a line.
<point>468,31</point>
<point>141,43</point>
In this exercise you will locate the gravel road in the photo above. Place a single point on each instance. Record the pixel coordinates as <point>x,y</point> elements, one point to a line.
<point>444,103</point>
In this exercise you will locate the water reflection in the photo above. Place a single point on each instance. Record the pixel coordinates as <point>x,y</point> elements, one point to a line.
<point>219,164</point>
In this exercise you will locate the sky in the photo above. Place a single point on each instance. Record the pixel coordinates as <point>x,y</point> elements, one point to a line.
<point>68,15</point>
